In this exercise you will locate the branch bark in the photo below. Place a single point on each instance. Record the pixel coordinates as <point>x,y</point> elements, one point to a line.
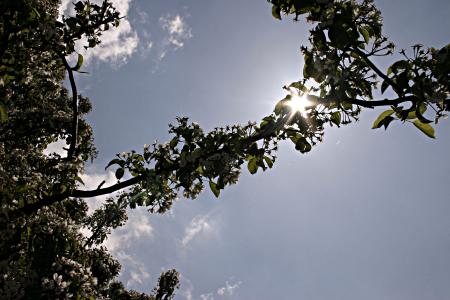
<point>33,207</point>
<point>74,129</point>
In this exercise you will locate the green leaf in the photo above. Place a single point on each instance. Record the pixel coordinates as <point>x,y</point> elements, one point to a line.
<point>269,162</point>
<point>214,189</point>
<point>379,121</point>
<point>3,113</point>
<point>174,142</point>
<point>119,173</point>
<point>365,33</point>
<point>252,165</point>
<point>276,12</point>
<point>79,63</point>
<point>199,170</point>
<point>336,118</point>
<point>427,129</point>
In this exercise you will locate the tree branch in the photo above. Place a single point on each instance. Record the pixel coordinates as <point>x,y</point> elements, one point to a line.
<point>378,71</point>
<point>369,103</point>
<point>33,207</point>
<point>74,129</point>
<point>267,132</point>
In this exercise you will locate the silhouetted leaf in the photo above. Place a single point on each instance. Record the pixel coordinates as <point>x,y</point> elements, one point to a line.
<point>119,173</point>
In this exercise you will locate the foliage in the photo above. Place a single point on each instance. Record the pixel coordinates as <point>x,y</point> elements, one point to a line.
<point>338,65</point>
<point>44,255</point>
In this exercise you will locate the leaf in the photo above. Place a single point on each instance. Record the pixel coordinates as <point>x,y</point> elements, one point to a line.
<point>3,113</point>
<point>365,33</point>
<point>79,63</point>
<point>78,179</point>
<point>119,173</point>
<point>299,85</point>
<point>379,121</point>
<point>214,189</point>
<point>302,145</point>
<point>281,106</point>
<point>398,65</point>
<point>276,12</point>
<point>252,165</point>
<point>387,121</point>
<point>113,162</point>
<point>199,170</point>
<point>338,36</point>
<point>336,118</point>
<point>420,110</point>
<point>173,143</point>
<point>427,129</point>
<point>269,162</point>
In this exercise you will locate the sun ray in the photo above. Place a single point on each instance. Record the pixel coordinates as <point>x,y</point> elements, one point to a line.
<point>300,104</point>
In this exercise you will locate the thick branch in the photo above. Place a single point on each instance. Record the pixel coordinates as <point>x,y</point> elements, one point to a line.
<point>33,207</point>
<point>74,129</point>
<point>108,190</point>
<point>369,103</point>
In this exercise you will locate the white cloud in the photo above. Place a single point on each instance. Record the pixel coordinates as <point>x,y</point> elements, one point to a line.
<point>134,271</point>
<point>118,44</point>
<point>56,147</point>
<point>228,289</point>
<point>138,226</point>
<point>137,276</point>
<point>92,182</point>
<point>122,239</point>
<point>208,296</point>
<point>178,33</point>
<point>197,226</point>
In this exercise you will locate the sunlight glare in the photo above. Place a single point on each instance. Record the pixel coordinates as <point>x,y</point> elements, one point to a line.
<point>299,104</point>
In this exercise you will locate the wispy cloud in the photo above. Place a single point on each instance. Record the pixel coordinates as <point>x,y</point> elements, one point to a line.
<point>177,30</point>
<point>198,225</point>
<point>228,289</point>
<point>208,296</point>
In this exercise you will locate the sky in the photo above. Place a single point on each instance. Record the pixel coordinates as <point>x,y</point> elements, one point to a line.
<point>364,215</point>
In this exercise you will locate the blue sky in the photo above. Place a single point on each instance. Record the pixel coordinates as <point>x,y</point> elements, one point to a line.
<point>363,216</point>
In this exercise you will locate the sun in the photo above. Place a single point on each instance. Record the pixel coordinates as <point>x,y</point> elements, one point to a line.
<point>299,104</point>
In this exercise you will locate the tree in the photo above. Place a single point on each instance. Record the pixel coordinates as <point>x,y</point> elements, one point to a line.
<point>43,254</point>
